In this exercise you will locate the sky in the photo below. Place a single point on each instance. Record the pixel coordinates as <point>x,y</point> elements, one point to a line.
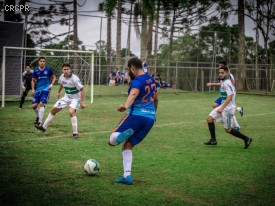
<point>90,31</point>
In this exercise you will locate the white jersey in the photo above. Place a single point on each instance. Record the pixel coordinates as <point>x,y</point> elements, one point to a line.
<point>72,86</point>
<point>228,89</point>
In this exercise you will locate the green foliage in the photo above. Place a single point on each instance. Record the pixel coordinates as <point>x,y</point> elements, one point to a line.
<point>170,167</point>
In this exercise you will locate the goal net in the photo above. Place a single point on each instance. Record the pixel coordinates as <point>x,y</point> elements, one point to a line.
<point>14,60</point>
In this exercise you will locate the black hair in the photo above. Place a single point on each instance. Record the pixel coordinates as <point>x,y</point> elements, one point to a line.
<point>66,65</point>
<point>41,58</point>
<point>223,62</point>
<point>225,68</point>
<point>27,65</point>
<point>135,62</point>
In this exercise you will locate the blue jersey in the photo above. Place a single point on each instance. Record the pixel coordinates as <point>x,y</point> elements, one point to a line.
<point>43,78</point>
<point>144,103</point>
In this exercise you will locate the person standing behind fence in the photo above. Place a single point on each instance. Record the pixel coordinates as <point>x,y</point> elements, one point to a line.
<point>26,83</point>
<point>44,78</point>
<point>74,98</point>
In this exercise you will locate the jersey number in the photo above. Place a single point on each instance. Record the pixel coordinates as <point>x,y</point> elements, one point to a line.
<point>148,90</point>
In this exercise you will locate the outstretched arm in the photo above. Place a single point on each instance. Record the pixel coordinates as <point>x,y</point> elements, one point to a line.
<point>130,100</point>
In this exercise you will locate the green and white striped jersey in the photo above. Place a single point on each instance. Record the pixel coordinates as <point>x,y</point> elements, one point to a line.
<point>228,89</point>
<point>72,86</point>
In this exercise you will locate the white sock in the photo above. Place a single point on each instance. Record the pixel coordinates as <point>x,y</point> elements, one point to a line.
<point>127,162</point>
<point>238,109</point>
<point>235,123</point>
<point>36,111</point>
<point>49,119</point>
<point>113,137</point>
<point>74,124</point>
<point>41,114</point>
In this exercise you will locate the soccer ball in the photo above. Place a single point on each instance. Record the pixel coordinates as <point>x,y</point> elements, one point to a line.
<point>91,167</point>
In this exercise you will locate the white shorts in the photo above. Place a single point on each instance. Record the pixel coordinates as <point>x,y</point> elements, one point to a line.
<point>65,101</point>
<point>225,117</point>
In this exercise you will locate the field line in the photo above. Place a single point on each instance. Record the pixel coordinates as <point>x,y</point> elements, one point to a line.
<point>109,131</point>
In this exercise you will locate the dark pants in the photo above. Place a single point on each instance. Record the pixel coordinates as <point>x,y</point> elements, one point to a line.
<point>25,93</point>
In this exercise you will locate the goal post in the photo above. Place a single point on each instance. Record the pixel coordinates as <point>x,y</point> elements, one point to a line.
<point>14,60</point>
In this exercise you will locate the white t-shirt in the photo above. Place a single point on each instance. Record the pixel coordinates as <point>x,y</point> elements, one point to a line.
<point>72,86</point>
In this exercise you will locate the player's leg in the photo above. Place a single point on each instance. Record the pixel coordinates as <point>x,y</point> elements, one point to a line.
<point>61,103</point>
<point>25,93</point>
<point>228,123</point>
<point>35,102</point>
<point>122,131</point>
<point>235,123</point>
<point>142,127</point>
<point>240,110</point>
<point>74,105</point>
<point>214,115</point>
<point>43,101</point>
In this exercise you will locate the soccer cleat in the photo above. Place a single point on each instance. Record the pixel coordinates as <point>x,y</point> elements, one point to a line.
<point>40,127</point>
<point>123,136</point>
<point>36,121</point>
<point>125,180</point>
<point>247,142</point>
<point>75,136</point>
<point>211,142</point>
<point>241,111</point>
<point>237,128</point>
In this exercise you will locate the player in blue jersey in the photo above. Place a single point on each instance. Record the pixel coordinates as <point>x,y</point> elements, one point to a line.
<point>141,104</point>
<point>44,79</point>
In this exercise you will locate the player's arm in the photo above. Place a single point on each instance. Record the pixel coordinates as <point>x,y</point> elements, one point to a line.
<point>82,97</point>
<point>33,85</point>
<point>53,81</point>
<point>225,103</point>
<point>232,79</point>
<point>215,84</point>
<point>59,91</point>
<point>130,100</point>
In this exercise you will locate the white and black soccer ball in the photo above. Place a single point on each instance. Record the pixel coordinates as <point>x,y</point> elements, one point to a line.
<point>91,167</point>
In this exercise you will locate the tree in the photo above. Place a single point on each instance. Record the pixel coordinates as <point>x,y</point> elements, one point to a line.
<point>118,36</point>
<point>241,52</point>
<point>108,6</point>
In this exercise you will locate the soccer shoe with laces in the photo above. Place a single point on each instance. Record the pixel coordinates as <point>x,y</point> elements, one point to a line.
<point>247,142</point>
<point>40,127</point>
<point>125,180</point>
<point>211,142</point>
<point>241,111</point>
<point>75,136</point>
<point>123,136</point>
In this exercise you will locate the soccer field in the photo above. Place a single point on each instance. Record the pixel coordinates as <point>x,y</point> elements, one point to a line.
<point>171,166</point>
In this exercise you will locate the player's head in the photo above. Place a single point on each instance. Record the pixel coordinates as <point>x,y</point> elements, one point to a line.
<point>66,69</point>
<point>135,66</point>
<point>223,72</point>
<point>41,62</point>
<point>222,63</point>
<point>28,67</point>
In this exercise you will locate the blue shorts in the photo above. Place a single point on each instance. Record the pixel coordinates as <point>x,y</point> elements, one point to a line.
<point>218,101</point>
<point>141,126</point>
<point>42,96</point>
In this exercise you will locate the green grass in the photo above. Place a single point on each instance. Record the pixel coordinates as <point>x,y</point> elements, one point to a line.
<point>170,167</point>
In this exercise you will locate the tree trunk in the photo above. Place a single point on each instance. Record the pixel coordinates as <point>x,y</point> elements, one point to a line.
<point>118,37</point>
<point>168,77</point>
<point>156,39</point>
<point>241,41</point>
<point>149,40</point>
<point>143,40</point>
